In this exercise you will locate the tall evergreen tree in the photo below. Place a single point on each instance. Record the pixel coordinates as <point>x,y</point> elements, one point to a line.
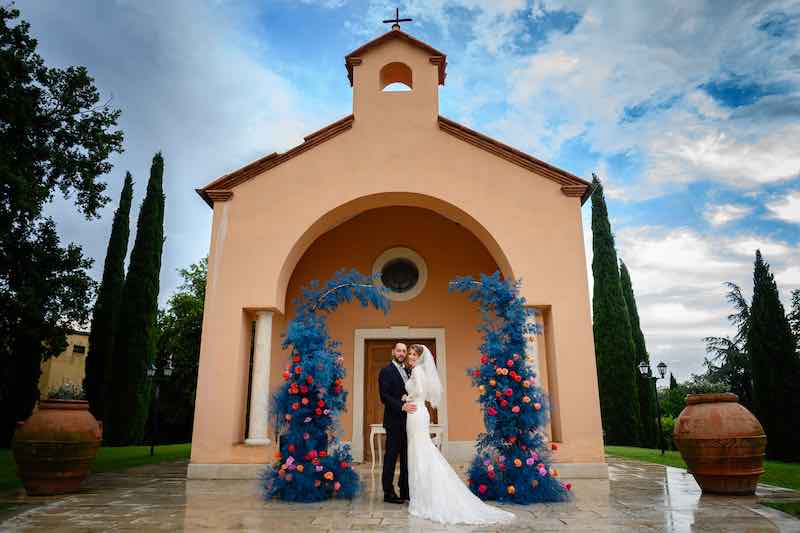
<point>135,341</point>
<point>729,362</point>
<point>673,383</point>
<point>775,366</point>
<point>613,342</point>
<point>647,399</point>
<point>56,138</point>
<point>106,308</point>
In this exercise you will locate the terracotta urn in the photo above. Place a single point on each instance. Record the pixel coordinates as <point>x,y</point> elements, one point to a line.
<point>55,447</point>
<point>722,443</point>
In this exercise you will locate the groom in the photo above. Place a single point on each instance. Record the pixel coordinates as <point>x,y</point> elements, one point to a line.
<point>392,385</point>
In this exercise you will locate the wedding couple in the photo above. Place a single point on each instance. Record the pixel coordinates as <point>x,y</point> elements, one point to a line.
<point>432,488</point>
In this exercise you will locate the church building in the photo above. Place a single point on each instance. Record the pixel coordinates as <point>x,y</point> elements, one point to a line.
<point>399,190</point>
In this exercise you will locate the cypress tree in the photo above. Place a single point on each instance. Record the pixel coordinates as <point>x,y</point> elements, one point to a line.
<point>775,366</point>
<point>613,342</point>
<point>135,342</point>
<point>106,308</point>
<point>647,401</point>
<point>673,383</point>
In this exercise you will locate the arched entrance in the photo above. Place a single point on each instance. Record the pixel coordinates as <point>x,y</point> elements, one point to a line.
<point>432,315</point>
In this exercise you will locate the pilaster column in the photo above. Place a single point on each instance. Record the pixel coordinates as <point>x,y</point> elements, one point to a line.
<point>259,384</point>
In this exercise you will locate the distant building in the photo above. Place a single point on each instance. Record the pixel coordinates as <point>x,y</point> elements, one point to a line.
<point>68,367</point>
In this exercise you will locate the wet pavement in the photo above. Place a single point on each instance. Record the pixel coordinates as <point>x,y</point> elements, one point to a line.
<point>637,497</point>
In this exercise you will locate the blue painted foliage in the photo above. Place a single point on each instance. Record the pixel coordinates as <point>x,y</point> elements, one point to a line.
<point>512,463</point>
<point>312,464</point>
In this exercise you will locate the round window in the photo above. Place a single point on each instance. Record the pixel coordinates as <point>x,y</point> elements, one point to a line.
<point>399,275</point>
<point>402,271</point>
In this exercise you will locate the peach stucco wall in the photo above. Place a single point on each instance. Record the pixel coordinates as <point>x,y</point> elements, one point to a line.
<point>394,155</point>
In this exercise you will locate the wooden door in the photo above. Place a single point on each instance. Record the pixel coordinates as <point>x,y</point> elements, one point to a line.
<point>378,354</point>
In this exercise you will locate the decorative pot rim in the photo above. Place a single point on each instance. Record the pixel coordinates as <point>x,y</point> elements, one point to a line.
<point>77,405</point>
<point>718,397</point>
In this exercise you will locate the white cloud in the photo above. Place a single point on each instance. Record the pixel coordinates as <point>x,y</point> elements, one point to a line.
<point>720,214</point>
<point>678,277</point>
<point>786,208</point>
<point>191,83</point>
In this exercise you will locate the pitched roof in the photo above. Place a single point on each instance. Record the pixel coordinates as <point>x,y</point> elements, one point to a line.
<point>571,185</point>
<point>220,188</point>
<point>437,57</point>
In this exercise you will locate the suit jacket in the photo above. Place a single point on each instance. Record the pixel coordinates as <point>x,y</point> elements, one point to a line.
<point>392,388</point>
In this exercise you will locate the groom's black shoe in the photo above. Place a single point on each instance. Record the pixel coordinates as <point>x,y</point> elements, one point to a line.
<point>392,498</point>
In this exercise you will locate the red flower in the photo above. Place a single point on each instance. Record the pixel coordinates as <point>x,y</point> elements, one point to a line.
<point>305,401</point>
<point>295,406</point>
<point>298,370</point>
<point>323,453</point>
<point>476,373</point>
<point>309,379</point>
<point>303,389</point>
<point>509,392</point>
<point>503,403</point>
<point>490,473</point>
<point>497,394</point>
<point>296,358</point>
<point>501,466</point>
<point>568,486</point>
<point>517,378</point>
<point>510,363</point>
<point>321,403</point>
<point>337,389</point>
<point>491,411</point>
<point>515,409</point>
<point>344,464</point>
<point>482,488</point>
<point>290,448</point>
<point>484,359</point>
<point>286,375</point>
<point>318,411</point>
<point>554,446</point>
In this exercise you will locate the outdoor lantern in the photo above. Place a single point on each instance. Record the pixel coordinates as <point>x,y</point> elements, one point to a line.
<point>644,369</point>
<point>151,370</point>
<point>662,369</point>
<point>168,367</point>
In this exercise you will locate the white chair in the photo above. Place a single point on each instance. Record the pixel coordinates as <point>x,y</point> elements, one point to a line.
<point>377,429</point>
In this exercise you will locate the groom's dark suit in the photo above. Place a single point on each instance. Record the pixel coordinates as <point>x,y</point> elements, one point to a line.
<point>392,388</point>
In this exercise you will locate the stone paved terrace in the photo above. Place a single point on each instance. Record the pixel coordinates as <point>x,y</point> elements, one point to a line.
<point>638,497</point>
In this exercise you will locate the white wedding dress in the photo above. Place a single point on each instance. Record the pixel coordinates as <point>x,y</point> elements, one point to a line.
<point>436,491</point>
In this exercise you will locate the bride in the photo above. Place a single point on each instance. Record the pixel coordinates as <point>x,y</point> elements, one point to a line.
<point>436,492</point>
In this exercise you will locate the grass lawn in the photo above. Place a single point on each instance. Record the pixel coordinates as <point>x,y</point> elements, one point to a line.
<point>792,508</point>
<point>108,460</point>
<point>775,472</point>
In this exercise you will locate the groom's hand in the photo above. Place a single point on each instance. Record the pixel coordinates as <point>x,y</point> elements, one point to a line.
<point>409,407</point>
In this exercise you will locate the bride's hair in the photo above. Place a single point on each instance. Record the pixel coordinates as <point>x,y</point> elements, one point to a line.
<point>418,348</point>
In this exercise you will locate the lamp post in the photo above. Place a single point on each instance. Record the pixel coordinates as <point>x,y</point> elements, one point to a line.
<point>158,378</point>
<point>647,373</point>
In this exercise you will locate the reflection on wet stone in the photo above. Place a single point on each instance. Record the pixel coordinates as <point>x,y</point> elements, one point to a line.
<point>637,497</point>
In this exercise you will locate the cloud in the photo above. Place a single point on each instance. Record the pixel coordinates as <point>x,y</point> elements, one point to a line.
<point>191,83</point>
<point>786,208</point>
<point>720,214</point>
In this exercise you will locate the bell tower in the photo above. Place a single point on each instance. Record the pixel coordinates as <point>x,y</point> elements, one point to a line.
<point>395,80</point>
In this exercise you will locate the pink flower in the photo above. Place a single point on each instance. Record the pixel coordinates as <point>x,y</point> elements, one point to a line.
<point>529,461</point>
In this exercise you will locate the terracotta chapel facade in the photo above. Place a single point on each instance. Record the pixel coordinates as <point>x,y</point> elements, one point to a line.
<point>399,190</point>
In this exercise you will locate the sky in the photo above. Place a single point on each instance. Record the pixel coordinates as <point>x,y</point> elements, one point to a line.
<point>689,112</point>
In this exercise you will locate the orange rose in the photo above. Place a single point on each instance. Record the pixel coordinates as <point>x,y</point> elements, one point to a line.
<point>329,475</point>
<point>511,489</point>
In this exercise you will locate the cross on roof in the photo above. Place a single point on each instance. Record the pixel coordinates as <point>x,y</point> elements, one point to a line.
<point>396,20</point>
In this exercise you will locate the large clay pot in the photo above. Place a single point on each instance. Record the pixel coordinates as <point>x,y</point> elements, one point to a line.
<point>722,443</point>
<point>55,447</point>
